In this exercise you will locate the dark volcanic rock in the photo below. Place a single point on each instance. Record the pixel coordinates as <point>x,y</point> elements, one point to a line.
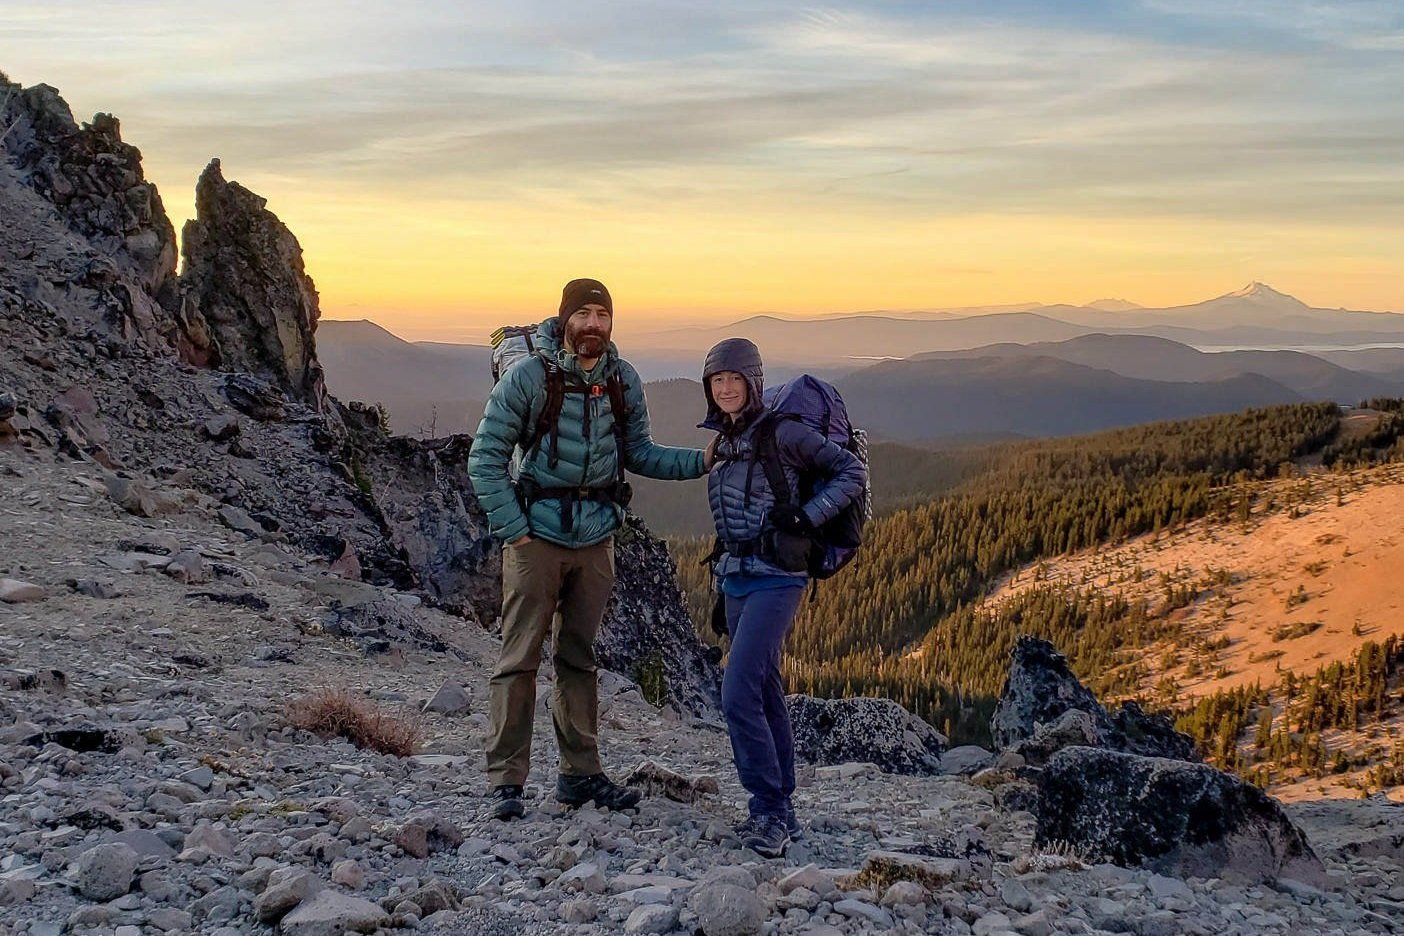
<point>1151,735</point>
<point>96,183</point>
<point>1040,687</point>
<point>1044,708</point>
<point>647,628</point>
<point>1169,815</point>
<point>85,244</point>
<point>246,303</point>
<point>430,514</point>
<point>377,626</point>
<point>877,731</point>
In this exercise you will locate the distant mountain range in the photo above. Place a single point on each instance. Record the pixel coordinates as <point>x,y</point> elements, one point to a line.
<point>1256,316</point>
<point>1034,396</point>
<point>921,379</point>
<point>420,383</point>
<point>1150,358</point>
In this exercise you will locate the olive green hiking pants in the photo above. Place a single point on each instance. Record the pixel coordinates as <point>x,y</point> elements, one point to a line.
<point>548,589</point>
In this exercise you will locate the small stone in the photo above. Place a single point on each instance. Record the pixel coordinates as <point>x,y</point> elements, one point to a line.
<point>170,920</point>
<point>14,591</point>
<point>338,808</point>
<point>332,914</point>
<point>105,871</point>
<point>862,910</point>
<point>965,760</point>
<point>158,887</point>
<point>287,887</point>
<point>17,891</point>
<point>433,897</point>
<point>92,588</point>
<point>425,833</point>
<point>239,521</point>
<point>727,910</point>
<point>187,567</point>
<point>451,699</point>
<point>207,837</point>
<point>357,830</point>
<point>991,923</point>
<point>808,877</point>
<point>577,912</point>
<point>904,893</point>
<point>348,874</point>
<point>651,918</point>
<point>1016,896</point>
<point>1162,887</point>
<point>585,877</point>
<point>1035,924</point>
<point>202,777</point>
<point>145,843</point>
<point>221,428</point>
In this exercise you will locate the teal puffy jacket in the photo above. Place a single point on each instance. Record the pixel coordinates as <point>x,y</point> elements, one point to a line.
<point>511,413</point>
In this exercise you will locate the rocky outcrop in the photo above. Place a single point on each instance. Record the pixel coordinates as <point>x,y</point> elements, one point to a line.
<point>866,730</point>
<point>85,243</point>
<point>93,179</point>
<point>1044,708</point>
<point>246,303</point>
<point>422,495</point>
<point>1171,816</point>
<point>647,633</point>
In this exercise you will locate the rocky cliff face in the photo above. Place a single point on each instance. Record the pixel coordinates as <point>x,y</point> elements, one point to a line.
<point>245,301</point>
<point>93,179</point>
<point>88,244</point>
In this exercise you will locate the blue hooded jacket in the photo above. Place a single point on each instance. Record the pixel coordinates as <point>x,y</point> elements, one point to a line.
<point>587,454</point>
<point>737,487</point>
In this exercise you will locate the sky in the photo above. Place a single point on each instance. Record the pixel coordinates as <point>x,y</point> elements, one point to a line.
<point>449,165</point>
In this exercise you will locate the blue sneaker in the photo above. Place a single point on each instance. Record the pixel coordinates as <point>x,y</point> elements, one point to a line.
<point>792,826</point>
<point>768,838</point>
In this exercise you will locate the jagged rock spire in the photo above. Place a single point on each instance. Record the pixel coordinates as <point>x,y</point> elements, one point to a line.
<point>247,303</point>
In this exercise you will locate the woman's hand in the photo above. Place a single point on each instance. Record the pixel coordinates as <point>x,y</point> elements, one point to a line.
<point>790,519</point>
<point>709,455</point>
<point>521,541</point>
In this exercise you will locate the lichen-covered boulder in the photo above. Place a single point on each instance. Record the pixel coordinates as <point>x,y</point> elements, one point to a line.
<point>1171,816</point>
<point>877,731</point>
<point>1045,708</point>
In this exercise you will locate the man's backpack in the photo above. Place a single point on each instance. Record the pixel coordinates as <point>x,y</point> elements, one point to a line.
<point>817,404</point>
<point>511,343</point>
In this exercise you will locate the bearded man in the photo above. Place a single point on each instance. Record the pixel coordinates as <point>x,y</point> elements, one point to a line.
<point>575,411</point>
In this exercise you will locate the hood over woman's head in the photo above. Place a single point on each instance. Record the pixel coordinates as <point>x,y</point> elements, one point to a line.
<point>743,357</point>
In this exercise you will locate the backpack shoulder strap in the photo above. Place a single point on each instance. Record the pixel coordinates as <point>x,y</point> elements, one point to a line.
<point>614,387</point>
<point>550,412</point>
<point>765,448</point>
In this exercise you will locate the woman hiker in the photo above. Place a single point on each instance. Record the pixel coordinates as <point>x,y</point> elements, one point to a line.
<point>761,562</point>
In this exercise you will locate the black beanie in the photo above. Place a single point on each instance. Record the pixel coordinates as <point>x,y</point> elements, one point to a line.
<point>579,293</point>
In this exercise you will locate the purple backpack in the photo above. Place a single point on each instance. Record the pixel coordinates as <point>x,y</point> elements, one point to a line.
<point>818,405</point>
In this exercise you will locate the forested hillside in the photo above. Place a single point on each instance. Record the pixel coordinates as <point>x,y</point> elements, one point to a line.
<point>904,621</point>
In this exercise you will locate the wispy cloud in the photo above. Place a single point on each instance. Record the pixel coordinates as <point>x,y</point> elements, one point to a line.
<point>1266,110</point>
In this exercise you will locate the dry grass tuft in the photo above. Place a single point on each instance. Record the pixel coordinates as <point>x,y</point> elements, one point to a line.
<point>341,713</point>
<point>1056,855</point>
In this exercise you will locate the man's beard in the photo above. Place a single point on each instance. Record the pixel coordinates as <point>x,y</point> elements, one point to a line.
<point>587,342</point>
